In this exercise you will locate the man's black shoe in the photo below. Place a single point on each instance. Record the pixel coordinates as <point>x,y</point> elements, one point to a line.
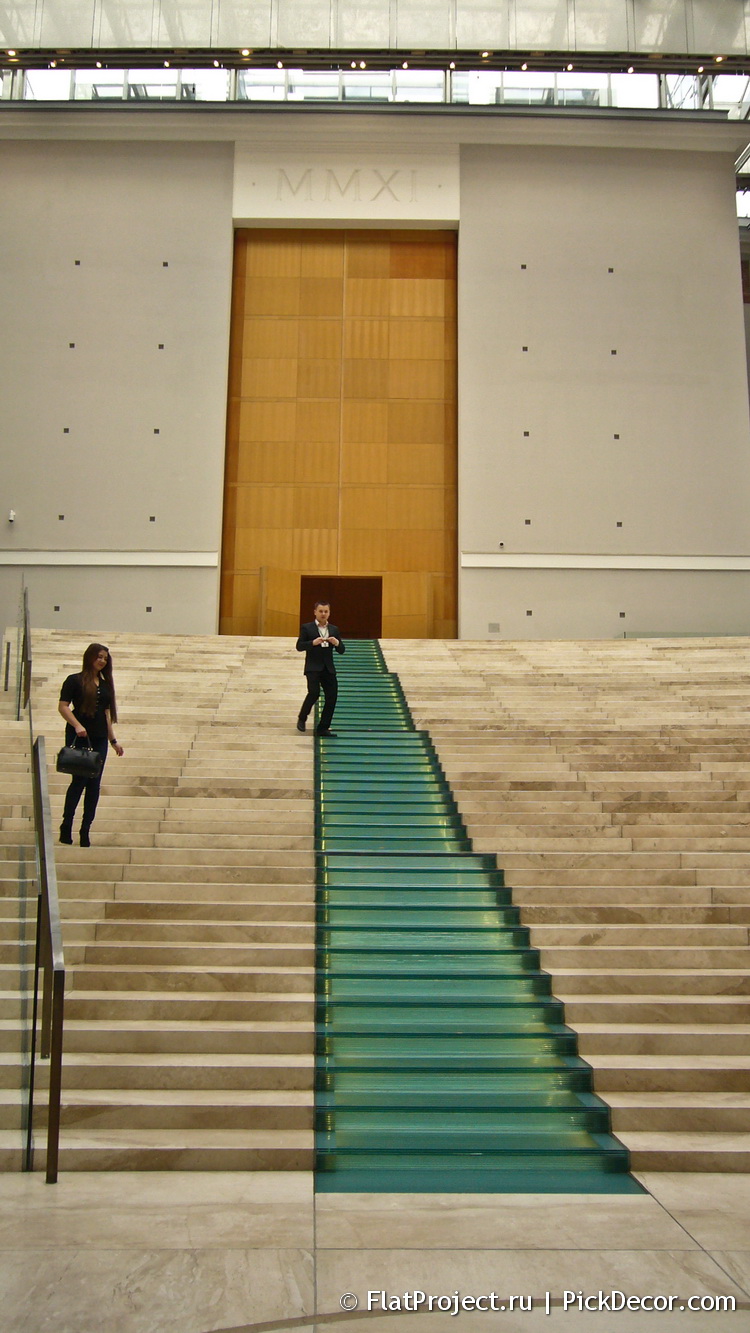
<point>329,735</point>
<point>300,724</point>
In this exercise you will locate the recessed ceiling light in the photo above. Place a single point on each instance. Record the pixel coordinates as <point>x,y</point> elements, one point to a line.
<point>719,59</point>
<point>53,64</point>
<point>524,65</point>
<point>700,69</point>
<point>11,53</point>
<point>630,69</point>
<point>405,65</point>
<point>166,64</point>
<point>363,64</point>
<point>568,68</point>
<point>452,64</point>
<point>98,64</point>
<point>279,65</point>
<point>216,64</point>
<point>485,55</point>
<point>245,51</point>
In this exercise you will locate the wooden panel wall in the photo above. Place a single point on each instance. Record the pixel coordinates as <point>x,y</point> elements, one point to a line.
<point>341,441</point>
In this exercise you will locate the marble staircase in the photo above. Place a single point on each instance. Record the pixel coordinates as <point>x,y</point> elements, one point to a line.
<point>611,780</point>
<point>189,923</point>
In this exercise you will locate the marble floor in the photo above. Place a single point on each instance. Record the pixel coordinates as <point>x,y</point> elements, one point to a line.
<point>202,1252</point>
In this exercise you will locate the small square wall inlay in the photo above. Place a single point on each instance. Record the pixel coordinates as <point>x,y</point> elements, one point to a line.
<point>529,613</point>
<point>619,525</point>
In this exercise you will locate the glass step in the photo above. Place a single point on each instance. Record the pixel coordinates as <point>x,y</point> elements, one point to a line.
<point>405,1178</point>
<point>372,842</point>
<point>521,988</point>
<point>461,963</point>
<point>568,1158</point>
<point>558,1135</point>
<point>407,917</point>
<point>447,1048</point>
<point>571,1077</point>
<point>484,898</point>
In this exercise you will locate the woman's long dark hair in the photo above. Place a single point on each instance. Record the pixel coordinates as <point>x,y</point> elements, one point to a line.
<point>89,679</point>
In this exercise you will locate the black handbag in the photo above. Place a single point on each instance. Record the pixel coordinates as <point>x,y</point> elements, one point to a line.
<point>79,760</point>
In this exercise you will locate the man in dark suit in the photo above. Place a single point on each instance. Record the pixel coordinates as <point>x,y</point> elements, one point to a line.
<point>319,641</point>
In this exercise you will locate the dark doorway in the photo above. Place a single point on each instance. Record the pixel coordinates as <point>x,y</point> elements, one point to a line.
<point>356,603</point>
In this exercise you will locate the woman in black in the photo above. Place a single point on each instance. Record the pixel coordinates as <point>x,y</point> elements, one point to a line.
<point>87,702</point>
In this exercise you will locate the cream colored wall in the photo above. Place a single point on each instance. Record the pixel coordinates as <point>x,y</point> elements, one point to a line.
<point>587,604</point>
<point>623,427</point>
<point>651,198</point>
<point>123,250</point>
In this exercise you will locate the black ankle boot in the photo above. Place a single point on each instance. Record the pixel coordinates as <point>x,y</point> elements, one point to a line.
<point>66,834</point>
<point>83,838</point>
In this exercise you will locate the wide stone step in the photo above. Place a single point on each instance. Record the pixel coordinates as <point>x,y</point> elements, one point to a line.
<point>715,1112</point>
<point>185,874</point>
<point>683,1151</point>
<point>640,981</point>
<point>137,932</point>
<point>649,915</point>
<point>616,1009</point>
<point>644,934</point>
<point>663,1038</point>
<point>277,1024</point>
<point>656,956</point>
<point>669,1072</point>
<point>171,1150</point>
<point>507,842</point>
<point>161,892</point>
<point>138,911</point>
<point>279,1003</point>
<point>171,1069</point>
<point>612,895</point>
<point>175,1108</point>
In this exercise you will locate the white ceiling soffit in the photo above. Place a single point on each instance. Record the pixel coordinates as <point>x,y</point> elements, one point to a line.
<point>704,27</point>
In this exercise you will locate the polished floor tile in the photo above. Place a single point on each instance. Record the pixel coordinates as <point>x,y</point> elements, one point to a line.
<point>486,1221</point>
<point>713,1208</point>
<point>202,1252</point>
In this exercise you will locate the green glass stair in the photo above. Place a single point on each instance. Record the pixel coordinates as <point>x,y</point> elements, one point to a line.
<point>443,1061</point>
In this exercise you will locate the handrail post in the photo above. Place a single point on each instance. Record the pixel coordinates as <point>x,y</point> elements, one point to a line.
<point>29,1155</point>
<point>55,1077</point>
<point>49,962</point>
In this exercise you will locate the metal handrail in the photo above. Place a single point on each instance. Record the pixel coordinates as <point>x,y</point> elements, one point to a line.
<point>23,683</point>
<point>50,962</point>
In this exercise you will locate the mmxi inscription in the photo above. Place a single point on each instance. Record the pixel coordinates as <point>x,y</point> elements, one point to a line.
<point>363,184</point>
